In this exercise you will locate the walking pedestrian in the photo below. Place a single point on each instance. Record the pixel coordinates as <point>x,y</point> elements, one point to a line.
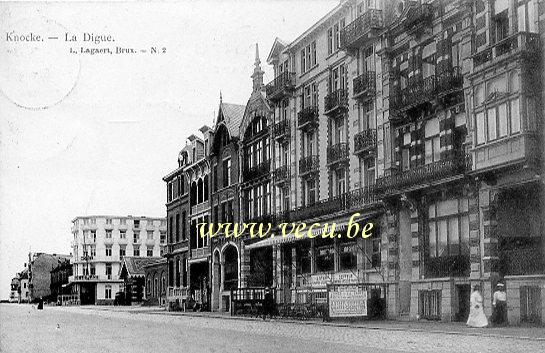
<point>477,318</point>
<point>499,304</point>
<point>268,304</point>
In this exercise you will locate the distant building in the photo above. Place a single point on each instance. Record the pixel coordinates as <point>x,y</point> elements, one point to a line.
<point>24,294</point>
<point>100,244</point>
<point>39,274</point>
<point>59,278</point>
<point>14,293</point>
<point>133,276</point>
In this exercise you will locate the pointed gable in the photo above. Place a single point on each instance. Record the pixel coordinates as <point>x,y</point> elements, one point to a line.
<point>278,46</point>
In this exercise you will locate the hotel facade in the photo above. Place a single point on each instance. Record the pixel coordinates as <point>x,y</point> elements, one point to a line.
<point>426,118</point>
<point>99,245</point>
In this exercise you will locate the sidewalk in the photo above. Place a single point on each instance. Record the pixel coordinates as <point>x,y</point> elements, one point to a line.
<point>452,328</point>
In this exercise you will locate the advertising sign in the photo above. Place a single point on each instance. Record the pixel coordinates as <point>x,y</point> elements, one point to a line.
<point>321,280</point>
<point>347,301</point>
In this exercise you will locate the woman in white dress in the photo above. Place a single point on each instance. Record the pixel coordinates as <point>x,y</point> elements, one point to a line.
<point>477,318</point>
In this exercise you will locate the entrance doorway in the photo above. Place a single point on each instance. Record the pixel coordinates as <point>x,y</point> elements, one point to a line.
<point>463,292</point>
<point>88,293</point>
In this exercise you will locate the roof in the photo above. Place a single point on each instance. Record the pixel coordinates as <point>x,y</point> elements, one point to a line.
<point>232,116</point>
<point>278,46</point>
<point>134,265</point>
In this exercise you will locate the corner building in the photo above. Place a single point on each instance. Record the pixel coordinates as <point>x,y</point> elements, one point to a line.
<point>426,118</point>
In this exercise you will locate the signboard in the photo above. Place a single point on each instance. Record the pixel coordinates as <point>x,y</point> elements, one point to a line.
<point>347,301</point>
<point>323,279</point>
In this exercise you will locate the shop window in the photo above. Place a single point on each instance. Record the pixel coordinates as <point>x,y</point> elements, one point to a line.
<point>324,250</point>
<point>303,257</point>
<point>448,224</point>
<point>347,254</point>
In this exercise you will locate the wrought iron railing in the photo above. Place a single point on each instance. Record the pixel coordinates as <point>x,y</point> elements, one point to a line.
<point>521,41</point>
<point>336,100</point>
<point>426,173</point>
<point>308,164</point>
<point>365,140</point>
<point>364,84</point>
<point>256,171</point>
<point>337,152</point>
<point>281,85</point>
<point>418,15</point>
<point>282,128</point>
<point>282,173</point>
<point>355,31</point>
<point>417,92</point>
<point>449,80</point>
<point>307,116</point>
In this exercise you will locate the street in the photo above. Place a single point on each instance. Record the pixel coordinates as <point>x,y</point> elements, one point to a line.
<point>96,329</point>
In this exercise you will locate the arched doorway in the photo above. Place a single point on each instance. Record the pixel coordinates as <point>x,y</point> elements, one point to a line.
<point>230,280</point>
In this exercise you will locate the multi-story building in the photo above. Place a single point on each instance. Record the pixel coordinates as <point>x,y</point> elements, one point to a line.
<point>99,245</point>
<point>39,275</point>
<point>199,261</point>
<point>224,200</point>
<point>178,211</point>
<point>24,295</point>
<point>59,279</point>
<point>14,290</point>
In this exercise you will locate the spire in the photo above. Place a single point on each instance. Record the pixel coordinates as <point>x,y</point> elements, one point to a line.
<point>257,76</point>
<point>221,100</point>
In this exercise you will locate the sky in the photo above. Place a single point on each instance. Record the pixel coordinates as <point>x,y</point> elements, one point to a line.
<point>88,134</point>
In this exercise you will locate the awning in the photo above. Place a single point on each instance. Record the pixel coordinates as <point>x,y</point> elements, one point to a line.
<point>290,238</point>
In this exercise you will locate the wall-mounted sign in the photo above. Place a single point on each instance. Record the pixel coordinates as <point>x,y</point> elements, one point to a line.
<point>347,301</point>
<point>323,279</point>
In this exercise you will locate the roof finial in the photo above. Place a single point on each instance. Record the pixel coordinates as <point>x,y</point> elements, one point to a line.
<point>257,76</point>
<point>257,61</point>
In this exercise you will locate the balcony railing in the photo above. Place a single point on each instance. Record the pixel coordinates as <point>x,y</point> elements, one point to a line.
<point>365,140</point>
<point>449,80</point>
<point>281,86</point>
<point>282,173</point>
<point>521,42</point>
<point>356,199</point>
<point>307,117</point>
<point>364,86</point>
<point>256,171</point>
<point>337,153</point>
<point>200,252</point>
<point>336,101</point>
<point>362,29</point>
<point>308,164</point>
<point>177,292</point>
<point>282,129</point>
<point>422,175</point>
<point>418,16</point>
<point>416,93</point>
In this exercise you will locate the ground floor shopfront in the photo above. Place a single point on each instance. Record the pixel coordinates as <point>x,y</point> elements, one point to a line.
<point>97,293</point>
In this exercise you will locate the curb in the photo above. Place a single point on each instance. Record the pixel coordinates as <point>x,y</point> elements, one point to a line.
<point>346,325</point>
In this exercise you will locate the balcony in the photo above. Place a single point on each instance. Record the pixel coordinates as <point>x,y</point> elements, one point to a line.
<point>363,29</point>
<point>416,93</point>
<point>257,171</point>
<point>282,174</point>
<point>522,149</point>
<point>364,86</point>
<point>199,208</point>
<point>308,117</point>
<point>200,252</point>
<point>356,199</point>
<point>282,129</point>
<point>524,44</point>
<point>449,81</point>
<point>365,142</point>
<point>424,175</point>
<point>337,153</point>
<point>178,247</point>
<point>282,86</point>
<point>336,101</point>
<point>308,164</point>
<point>418,17</point>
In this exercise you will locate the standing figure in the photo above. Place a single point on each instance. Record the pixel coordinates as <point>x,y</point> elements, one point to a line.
<point>268,304</point>
<point>499,304</point>
<point>477,318</point>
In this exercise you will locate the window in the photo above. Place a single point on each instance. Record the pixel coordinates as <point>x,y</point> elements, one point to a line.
<point>226,171</point>
<point>368,172</point>
<point>347,254</point>
<point>177,230</point>
<point>448,224</point>
<point>330,41</point>
<point>432,145</point>
<point>304,254</point>
<point>122,252</point>
<point>303,61</point>
<point>136,252</point>
<point>108,270</point>
<point>163,237</point>
<point>108,234</point>
<point>93,270</point>
<point>215,177</point>
<point>501,23</point>
<point>150,235</point>
<point>108,221</point>
<point>311,194</point>
<point>122,234</point>
<point>184,228</point>
<point>94,236</point>
<point>340,178</point>
<point>149,252</point>
<point>108,291</point>
<point>405,158</point>
<point>313,48</point>
<point>136,223</point>
<point>428,60</point>
<point>135,238</point>
<point>430,304</point>
<point>108,251</point>
<point>324,249</point>
<point>497,122</point>
<point>527,17</point>
<point>93,251</point>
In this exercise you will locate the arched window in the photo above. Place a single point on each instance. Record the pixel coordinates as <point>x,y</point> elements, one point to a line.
<point>206,188</point>
<point>199,191</point>
<point>193,194</point>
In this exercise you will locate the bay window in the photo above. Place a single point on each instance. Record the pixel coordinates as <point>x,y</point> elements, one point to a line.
<point>448,226</point>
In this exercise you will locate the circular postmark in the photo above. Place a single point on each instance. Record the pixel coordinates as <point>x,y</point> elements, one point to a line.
<point>37,70</point>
